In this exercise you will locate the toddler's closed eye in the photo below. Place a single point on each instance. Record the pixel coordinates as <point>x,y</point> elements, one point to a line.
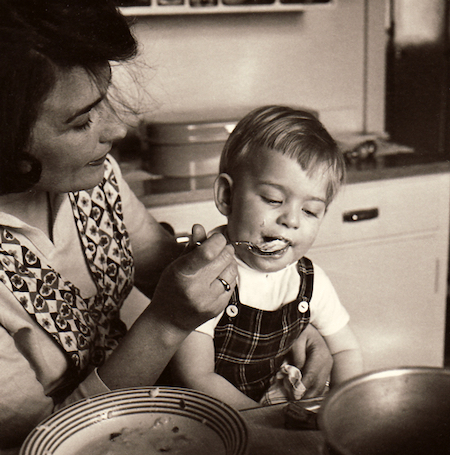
<point>271,201</point>
<point>310,213</point>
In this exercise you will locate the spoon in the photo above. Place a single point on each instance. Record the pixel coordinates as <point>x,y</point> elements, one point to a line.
<point>252,246</point>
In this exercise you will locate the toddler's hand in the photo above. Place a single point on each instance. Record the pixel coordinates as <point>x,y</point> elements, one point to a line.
<point>312,356</point>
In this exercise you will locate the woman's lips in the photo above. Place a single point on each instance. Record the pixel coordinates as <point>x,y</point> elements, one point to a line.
<point>98,162</point>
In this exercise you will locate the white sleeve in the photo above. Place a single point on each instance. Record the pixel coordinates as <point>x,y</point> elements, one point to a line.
<point>32,365</point>
<point>328,315</point>
<point>208,327</point>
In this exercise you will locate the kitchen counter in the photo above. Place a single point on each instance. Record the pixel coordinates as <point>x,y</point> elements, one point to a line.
<point>384,167</point>
<point>398,166</point>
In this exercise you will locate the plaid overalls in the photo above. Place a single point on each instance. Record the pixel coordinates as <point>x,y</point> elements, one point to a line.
<point>87,330</point>
<point>251,344</point>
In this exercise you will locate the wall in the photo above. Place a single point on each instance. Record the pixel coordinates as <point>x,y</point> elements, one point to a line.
<point>329,59</point>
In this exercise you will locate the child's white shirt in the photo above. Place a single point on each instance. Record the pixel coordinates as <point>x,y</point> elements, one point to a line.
<point>270,291</point>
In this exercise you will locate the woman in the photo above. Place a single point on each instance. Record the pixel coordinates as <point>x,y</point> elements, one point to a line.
<point>75,243</point>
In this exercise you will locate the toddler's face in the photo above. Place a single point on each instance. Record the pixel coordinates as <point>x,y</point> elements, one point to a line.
<point>276,205</point>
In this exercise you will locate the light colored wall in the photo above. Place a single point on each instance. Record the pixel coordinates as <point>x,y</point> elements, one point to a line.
<point>215,65</point>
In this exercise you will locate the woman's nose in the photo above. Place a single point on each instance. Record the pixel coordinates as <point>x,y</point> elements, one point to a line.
<point>113,128</point>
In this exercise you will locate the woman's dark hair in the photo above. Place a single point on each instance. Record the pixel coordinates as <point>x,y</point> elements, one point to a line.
<point>292,132</point>
<point>38,37</point>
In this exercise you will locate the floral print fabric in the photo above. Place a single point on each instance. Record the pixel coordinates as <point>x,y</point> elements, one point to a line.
<point>86,329</point>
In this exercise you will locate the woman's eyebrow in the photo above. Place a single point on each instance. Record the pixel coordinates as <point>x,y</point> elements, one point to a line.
<point>85,109</point>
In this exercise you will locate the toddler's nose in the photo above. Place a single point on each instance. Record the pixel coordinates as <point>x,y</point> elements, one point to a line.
<point>291,218</point>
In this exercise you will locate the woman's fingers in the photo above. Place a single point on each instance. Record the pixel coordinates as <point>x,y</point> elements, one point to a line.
<point>213,255</point>
<point>226,279</point>
<point>197,286</point>
<point>197,238</point>
<point>198,234</point>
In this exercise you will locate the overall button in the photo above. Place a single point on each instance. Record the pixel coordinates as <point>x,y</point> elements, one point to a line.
<point>232,311</point>
<point>303,306</point>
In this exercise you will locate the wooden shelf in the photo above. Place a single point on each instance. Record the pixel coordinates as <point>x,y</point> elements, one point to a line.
<point>168,7</point>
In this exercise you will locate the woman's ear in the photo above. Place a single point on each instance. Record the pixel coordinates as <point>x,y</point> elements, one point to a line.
<point>223,186</point>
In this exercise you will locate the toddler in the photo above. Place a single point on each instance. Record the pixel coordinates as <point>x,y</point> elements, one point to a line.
<point>279,171</point>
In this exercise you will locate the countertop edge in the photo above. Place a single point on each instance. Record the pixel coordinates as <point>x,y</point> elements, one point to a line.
<point>375,173</point>
<point>395,172</point>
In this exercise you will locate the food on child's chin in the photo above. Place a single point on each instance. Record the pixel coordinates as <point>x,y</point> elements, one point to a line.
<point>272,245</point>
<point>164,436</point>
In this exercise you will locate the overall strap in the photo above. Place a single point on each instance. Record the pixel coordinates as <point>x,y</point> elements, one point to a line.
<point>251,344</point>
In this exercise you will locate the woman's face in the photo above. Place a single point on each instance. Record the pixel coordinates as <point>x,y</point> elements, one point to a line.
<point>74,132</point>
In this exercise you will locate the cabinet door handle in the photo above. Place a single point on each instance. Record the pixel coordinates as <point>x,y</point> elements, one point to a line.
<point>360,215</point>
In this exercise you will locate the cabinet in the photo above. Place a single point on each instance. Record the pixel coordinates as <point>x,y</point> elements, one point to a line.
<point>390,270</point>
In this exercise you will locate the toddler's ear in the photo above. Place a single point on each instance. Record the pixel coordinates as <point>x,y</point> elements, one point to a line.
<point>222,193</point>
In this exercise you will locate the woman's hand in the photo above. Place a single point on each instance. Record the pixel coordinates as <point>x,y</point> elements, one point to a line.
<point>312,356</point>
<point>189,291</point>
<point>188,294</point>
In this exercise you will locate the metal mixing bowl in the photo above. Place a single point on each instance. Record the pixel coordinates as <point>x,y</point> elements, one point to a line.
<point>390,412</point>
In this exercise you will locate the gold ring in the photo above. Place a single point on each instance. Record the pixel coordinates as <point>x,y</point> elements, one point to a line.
<point>226,285</point>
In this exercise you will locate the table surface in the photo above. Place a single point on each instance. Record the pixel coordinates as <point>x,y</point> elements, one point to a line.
<point>269,436</point>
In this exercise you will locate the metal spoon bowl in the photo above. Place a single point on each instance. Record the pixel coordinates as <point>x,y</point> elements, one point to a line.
<point>253,247</point>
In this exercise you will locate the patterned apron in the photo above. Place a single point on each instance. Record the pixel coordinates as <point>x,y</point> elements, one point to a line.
<point>87,330</point>
<point>251,344</point>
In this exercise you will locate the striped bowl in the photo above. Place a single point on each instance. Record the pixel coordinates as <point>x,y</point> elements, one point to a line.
<point>204,424</point>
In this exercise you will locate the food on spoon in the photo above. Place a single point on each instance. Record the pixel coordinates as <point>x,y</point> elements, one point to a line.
<point>272,245</point>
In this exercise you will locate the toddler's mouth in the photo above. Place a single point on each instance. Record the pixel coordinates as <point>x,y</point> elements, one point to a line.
<point>269,246</point>
<point>273,245</point>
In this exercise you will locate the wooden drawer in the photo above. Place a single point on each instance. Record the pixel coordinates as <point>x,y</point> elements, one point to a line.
<point>385,208</point>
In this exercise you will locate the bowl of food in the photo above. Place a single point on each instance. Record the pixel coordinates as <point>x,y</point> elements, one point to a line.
<point>142,420</point>
<point>390,412</point>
